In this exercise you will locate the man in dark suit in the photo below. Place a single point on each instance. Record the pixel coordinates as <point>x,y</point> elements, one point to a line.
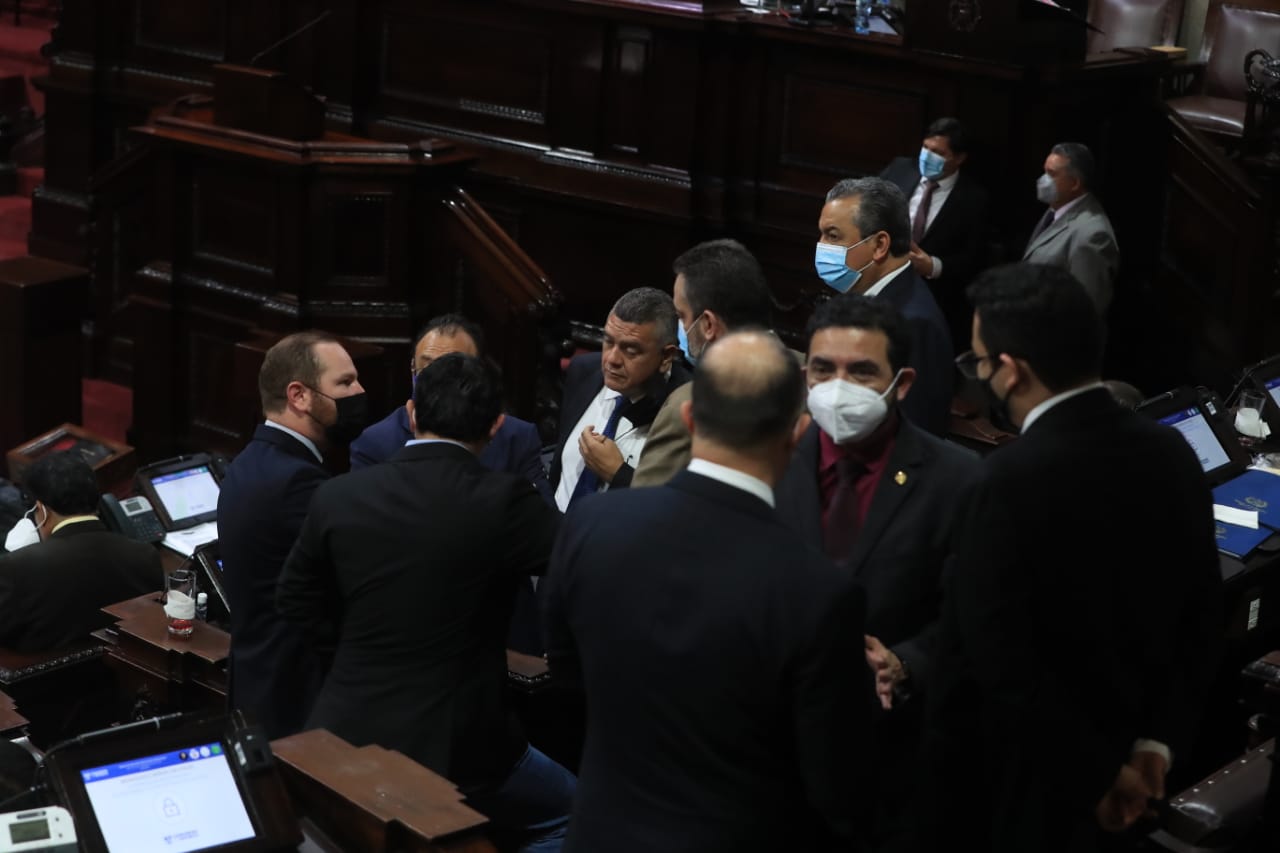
<point>51,592</point>
<point>881,497</point>
<point>1082,622</point>
<point>948,210</point>
<point>1075,233</point>
<point>721,658</point>
<point>611,399</point>
<point>864,246</point>
<point>313,401</point>
<point>516,448</point>
<point>410,567</point>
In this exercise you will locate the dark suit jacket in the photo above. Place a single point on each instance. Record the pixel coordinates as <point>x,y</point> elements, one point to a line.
<point>275,672</point>
<point>582,381</point>
<point>929,403</point>
<point>957,236</point>
<point>51,593</point>
<point>906,539</point>
<point>726,688</point>
<point>515,448</point>
<point>410,567</point>
<point>1084,612</point>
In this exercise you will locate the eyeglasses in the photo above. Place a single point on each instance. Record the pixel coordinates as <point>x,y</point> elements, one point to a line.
<point>967,363</point>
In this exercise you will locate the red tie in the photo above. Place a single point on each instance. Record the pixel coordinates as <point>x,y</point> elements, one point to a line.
<point>843,518</point>
<point>922,212</point>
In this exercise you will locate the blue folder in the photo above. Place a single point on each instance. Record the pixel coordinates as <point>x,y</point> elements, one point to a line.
<point>1253,490</point>
<point>1239,541</point>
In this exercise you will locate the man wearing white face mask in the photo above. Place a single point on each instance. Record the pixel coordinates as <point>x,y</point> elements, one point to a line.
<point>949,221</point>
<point>879,496</point>
<point>64,564</point>
<point>864,245</point>
<point>1074,232</point>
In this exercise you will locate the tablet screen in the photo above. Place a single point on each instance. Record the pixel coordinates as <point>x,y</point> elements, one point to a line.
<point>1195,429</point>
<point>188,493</point>
<point>1273,389</point>
<point>184,800</point>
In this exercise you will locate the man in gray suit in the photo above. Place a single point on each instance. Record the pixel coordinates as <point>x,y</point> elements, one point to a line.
<point>1074,232</point>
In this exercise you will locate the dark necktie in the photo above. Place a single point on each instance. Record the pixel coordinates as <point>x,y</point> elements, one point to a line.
<point>589,482</point>
<point>1045,222</point>
<point>922,212</point>
<point>843,518</point>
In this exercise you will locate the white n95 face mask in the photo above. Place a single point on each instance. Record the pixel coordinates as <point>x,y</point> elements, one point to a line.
<point>22,534</point>
<point>847,411</point>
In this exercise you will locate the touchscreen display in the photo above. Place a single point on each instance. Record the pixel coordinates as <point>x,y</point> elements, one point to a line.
<point>183,800</point>
<point>1273,388</point>
<point>186,494</point>
<point>1196,430</point>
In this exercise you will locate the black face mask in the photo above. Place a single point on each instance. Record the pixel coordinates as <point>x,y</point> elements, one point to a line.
<point>997,409</point>
<point>353,416</point>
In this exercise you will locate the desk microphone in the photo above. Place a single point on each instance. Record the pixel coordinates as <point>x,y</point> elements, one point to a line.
<point>291,36</point>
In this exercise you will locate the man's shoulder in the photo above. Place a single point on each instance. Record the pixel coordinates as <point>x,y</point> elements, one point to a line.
<point>679,395</point>
<point>945,454</point>
<point>515,429</point>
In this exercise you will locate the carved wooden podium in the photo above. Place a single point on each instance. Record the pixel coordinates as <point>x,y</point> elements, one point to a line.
<point>261,235</point>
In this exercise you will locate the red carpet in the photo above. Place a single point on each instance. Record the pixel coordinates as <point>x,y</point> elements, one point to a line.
<point>107,408</point>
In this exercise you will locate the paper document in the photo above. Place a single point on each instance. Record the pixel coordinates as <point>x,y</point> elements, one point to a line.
<point>1238,517</point>
<point>185,542</point>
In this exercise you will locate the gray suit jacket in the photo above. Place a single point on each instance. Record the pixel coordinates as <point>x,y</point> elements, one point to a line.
<point>1082,242</point>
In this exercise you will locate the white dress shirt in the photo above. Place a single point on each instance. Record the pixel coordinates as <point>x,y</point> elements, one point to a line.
<point>1057,214</point>
<point>733,477</point>
<point>629,438</point>
<point>310,445</point>
<point>940,193</point>
<point>880,285</point>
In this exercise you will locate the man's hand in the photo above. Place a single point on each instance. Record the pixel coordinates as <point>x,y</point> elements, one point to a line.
<point>1125,802</point>
<point>921,261</point>
<point>600,453</point>
<point>1152,767</point>
<point>888,669</point>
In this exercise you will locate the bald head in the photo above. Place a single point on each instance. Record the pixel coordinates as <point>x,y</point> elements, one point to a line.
<point>747,392</point>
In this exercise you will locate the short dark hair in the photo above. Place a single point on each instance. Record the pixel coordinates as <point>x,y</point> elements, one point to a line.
<point>721,276</point>
<point>450,325</point>
<point>1080,161</point>
<point>881,207</point>
<point>64,482</point>
<point>953,130</point>
<point>457,396</point>
<point>744,405</point>
<point>1041,314</point>
<point>649,305</point>
<point>292,359</point>
<point>853,310</point>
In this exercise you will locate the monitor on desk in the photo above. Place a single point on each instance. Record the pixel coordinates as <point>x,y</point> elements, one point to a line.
<point>1265,377</point>
<point>183,491</point>
<point>1195,415</point>
<point>208,561</point>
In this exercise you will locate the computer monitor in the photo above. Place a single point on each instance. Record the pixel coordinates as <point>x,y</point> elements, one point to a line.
<point>208,561</point>
<point>1195,415</point>
<point>180,790</point>
<point>1265,377</point>
<point>183,491</point>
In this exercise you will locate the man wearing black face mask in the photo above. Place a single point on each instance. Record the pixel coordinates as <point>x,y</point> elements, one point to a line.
<point>313,403</point>
<point>879,495</point>
<point>1074,654</point>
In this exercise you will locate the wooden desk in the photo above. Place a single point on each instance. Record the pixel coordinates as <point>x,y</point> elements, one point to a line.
<point>62,692</point>
<point>174,673</point>
<point>373,799</point>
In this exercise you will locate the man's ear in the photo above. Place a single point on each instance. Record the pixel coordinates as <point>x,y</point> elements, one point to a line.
<point>905,381</point>
<point>882,246</point>
<point>1014,373</point>
<point>686,415</point>
<point>413,422</point>
<point>798,431</point>
<point>960,158</point>
<point>497,425</point>
<point>712,327</point>
<point>297,395</point>
<point>669,354</point>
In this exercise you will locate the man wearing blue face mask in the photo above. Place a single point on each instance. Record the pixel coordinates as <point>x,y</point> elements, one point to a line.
<point>864,245</point>
<point>880,497</point>
<point>949,219</point>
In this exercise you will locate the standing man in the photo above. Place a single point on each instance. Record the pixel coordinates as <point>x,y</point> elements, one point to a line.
<point>516,448</point>
<point>313,402</point>
<point>1075,233</point>
<point>410,568</point>
<point>881,497</point>
<point>864,246</point>
<point>719,288</point>
<point>611,399</point>
<point>726,704</point>
<point>1083,620</point>
<point>948,210</point>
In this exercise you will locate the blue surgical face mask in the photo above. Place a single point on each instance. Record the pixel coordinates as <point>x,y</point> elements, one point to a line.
<point>683,338</point>
<point>828,259</point>
<point>931,164</point>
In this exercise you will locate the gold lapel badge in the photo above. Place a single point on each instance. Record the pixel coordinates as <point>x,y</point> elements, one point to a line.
<point>900,477</point>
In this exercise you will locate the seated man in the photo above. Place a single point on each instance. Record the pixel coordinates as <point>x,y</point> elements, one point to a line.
<point>410,568</point>
<point>52,590</point>
<point>611,399</point>
<point>516,448</point>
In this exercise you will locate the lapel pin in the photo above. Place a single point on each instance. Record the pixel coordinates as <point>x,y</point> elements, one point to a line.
<point>900,477</point>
